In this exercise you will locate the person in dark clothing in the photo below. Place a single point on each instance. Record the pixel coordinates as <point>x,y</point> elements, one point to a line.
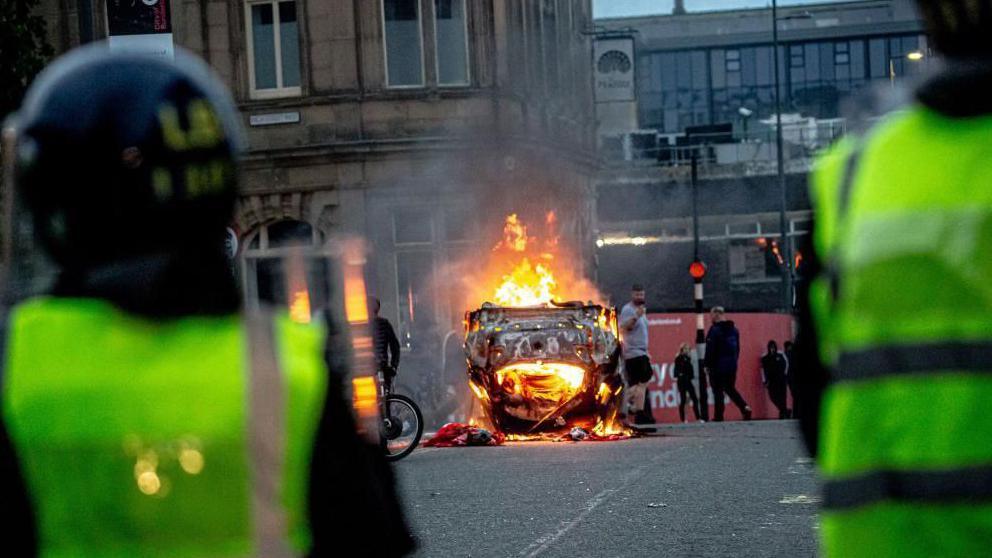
<point>791,374</point>
<point>773,376</point>
<point>387,346</point>
<point>723,347</point>
<point>683,378</point>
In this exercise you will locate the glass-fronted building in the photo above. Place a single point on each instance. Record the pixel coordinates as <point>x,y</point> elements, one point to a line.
<point>702,68</point>
<point>691,87</point>
<point>705,92</point>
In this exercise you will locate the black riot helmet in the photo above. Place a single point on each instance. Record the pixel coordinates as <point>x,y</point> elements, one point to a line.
<point>959,28</point>
<point>117,156</point>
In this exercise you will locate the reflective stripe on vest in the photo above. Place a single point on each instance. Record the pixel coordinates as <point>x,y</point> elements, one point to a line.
<point>134,435</point>
<point>266,426</point>
<point>972,484</point>
<point>880,362</point>
<point>847,183</point>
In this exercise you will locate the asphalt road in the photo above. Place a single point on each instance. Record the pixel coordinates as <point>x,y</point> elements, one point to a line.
<point>730,489</point>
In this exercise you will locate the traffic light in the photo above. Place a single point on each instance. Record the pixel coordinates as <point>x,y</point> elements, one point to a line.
<point>697,270</point>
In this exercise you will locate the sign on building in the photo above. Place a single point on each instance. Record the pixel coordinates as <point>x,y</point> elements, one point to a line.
<point>140,26</point>
<point>272,118</point>
<point>614,69</point>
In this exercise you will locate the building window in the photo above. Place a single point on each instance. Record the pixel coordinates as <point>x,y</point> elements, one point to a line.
<point>754,261</point>
<point>549,49</point>
<point>415,250</point>
<point>412,226</point>
<point>458,226</point>
<point>517,32</point>
<point>451,39</point>
<point>532,37</point>
<point>432,246</point>
<point>877,59</point>
<point>733,60</point>
<point>797,57</point>
<point>274,49</point>
<point>404,43</point>
<point>280,269</point>
<point>842,54</point>
<point>289,233</point>
<point>415,294</point>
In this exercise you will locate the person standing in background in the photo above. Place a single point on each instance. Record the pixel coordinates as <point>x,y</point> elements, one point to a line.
<point>773,376</point>
<point>683,378</point>
<point>723,347</point>
<point>636,362</point>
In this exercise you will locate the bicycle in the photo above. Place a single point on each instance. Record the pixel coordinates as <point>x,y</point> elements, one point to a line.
<point>402,422</point>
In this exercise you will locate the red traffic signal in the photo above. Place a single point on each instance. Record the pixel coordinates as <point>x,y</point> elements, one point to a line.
<point>697,270</point>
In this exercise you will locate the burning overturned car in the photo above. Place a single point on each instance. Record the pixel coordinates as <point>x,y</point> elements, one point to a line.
<point>541,368</point>
<point>545,369</point>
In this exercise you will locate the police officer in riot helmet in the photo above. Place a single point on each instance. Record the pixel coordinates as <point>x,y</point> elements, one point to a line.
<point>133,416</point>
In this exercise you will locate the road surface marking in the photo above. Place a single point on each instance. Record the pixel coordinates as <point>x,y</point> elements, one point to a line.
<point>799,499</point>
<point>543,543</point>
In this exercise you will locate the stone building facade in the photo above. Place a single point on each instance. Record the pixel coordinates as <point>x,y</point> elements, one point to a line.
<point>414,124</point>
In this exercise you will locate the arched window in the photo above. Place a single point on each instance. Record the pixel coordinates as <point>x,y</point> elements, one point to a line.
<point>281,234</point>
<point>282,268</point>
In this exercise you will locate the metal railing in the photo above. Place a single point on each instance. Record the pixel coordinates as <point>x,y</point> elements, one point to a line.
<point>802,139</point>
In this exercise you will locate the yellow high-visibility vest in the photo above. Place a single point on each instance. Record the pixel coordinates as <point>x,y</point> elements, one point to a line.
<point>904,320</point>
<point>134,435</point>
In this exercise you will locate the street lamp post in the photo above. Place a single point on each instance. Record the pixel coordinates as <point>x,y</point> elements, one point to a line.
<point>784,204</point>
<point>697,270</point>
<point>787,276</point>
<point>914,56</point>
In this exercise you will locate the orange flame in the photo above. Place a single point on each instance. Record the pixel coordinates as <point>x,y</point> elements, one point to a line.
<point>528,271</point>
<point>526,285</point>
<point>298,292</point>
<point>355,302</point>
<point>299,307</point>
<point>514,235</point>
<point>778,253</point>
<point>552,381</point>
<point>364,396</point>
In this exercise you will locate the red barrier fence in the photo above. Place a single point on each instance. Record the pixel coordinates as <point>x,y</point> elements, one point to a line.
<point>667,331</point>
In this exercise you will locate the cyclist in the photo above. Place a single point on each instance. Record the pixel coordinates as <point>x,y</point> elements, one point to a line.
<point>387,346</point>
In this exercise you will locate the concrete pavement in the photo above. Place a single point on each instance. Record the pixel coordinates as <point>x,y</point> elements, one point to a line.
<point>728,489</point>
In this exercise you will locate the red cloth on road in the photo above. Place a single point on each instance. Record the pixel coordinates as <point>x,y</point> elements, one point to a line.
<point>456,434</point>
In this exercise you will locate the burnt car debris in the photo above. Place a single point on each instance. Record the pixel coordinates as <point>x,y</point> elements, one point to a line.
<point>545,369</point>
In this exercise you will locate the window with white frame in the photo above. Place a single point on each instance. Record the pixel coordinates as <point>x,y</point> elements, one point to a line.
<point>279,268</point>
<point>451,39</point>
<point>404,43</point>
<point>273,48</point>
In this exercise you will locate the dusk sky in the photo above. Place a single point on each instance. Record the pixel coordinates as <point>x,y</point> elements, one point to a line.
<point>623,8</point>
